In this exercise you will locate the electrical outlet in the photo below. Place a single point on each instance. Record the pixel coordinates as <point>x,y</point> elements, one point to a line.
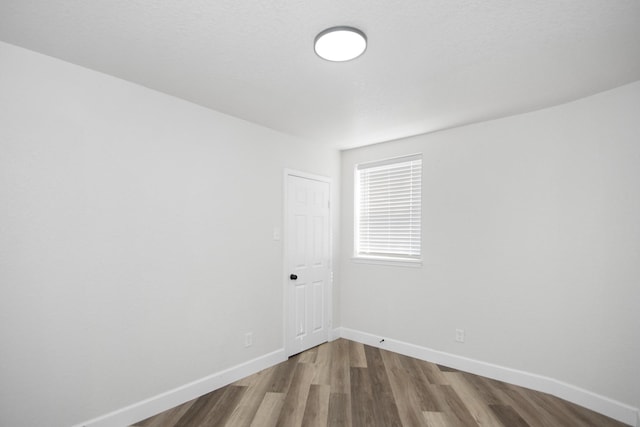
<point>459,335</point>
<point>248,339</point>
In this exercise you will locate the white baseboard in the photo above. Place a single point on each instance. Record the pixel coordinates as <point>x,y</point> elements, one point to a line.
<point>152,406</point>
<point>601,404</point>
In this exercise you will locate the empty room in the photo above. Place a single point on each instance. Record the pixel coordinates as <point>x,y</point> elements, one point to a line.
<point>319,213</point>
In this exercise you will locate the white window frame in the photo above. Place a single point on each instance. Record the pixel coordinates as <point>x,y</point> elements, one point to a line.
<point>387,256</point>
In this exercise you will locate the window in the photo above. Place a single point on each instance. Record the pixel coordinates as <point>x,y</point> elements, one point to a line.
<point>388,206</point>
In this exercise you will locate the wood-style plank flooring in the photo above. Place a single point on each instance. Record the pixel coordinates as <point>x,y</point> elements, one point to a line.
<point>343,383</point>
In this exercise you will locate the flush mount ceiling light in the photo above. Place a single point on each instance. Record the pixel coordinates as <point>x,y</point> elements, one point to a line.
<point>340,44</point>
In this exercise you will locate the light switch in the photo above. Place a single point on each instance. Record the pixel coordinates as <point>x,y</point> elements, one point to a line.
<point>276,233</point>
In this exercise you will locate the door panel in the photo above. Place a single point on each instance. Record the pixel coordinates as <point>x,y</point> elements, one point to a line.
<point>300,310</point>
<point>318,241</point>
<point>318,306</point>
<point>300,238</point>
<point>307,240</point>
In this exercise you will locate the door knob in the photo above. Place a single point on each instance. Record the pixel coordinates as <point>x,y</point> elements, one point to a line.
<point>293,277</point>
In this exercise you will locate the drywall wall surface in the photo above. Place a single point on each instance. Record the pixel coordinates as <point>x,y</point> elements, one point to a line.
<point>136,240</point>
<point>530,244</point>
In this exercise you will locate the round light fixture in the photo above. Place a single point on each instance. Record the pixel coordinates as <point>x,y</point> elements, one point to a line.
<point>340,44</point>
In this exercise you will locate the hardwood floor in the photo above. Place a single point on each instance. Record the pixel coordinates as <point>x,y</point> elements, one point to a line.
<point>344,383</point>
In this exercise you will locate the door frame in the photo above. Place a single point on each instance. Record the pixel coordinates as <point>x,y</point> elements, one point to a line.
<point>287,303</point>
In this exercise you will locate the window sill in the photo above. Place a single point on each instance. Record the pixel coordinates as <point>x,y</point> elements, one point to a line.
<point>395,262</point>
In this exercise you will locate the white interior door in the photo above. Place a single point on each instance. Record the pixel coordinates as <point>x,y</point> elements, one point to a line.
<point>308,262</point>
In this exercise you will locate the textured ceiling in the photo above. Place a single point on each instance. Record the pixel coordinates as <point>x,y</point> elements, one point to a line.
<point>430,64</point>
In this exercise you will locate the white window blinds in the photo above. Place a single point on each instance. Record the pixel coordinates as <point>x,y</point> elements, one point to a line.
<point>388,207</point>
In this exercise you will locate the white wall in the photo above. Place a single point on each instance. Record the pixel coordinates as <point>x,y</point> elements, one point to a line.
<point>135,240</point>
<point>531,231</point>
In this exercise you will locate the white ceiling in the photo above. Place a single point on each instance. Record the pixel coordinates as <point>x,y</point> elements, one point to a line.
<point>430,64</point>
